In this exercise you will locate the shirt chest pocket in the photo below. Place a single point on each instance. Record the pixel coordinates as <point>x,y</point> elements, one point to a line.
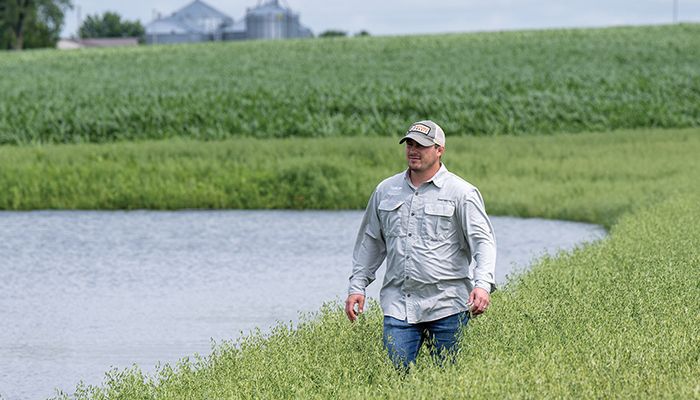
<point>437,222</point>
<point>390,217</point>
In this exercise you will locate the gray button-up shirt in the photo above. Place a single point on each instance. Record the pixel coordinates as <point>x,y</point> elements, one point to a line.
<point>430,236</point>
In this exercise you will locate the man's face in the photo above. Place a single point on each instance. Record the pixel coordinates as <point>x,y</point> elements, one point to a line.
<point>422,158</point>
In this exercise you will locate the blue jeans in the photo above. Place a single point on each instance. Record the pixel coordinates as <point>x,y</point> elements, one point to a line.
<point>403,340</point>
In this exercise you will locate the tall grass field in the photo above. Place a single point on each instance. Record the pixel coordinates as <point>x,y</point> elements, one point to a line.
<point>477,84</point>
<point>599,125</point>
<point>589,177</point>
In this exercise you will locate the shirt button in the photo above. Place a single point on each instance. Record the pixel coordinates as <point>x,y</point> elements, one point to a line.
<point>408,295</point>
<point>413,214</point>
<point>409,235</point>
<point>416,193</point>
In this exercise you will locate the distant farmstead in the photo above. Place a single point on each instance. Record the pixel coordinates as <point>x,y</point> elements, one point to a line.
<point>200,22</point>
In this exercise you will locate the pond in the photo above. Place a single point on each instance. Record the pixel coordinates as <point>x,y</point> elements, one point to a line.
<point>82,292</point>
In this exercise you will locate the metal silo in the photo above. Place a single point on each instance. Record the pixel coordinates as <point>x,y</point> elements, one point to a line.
<point>270,20</point>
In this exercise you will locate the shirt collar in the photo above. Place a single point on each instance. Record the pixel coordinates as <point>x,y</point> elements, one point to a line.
<point>438,179</point>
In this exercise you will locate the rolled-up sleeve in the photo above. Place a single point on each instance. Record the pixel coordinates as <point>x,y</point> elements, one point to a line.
<point>482,242</point>
<point>370,249</point>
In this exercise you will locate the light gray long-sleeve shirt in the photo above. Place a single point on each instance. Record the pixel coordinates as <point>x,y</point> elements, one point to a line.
<point>430,236</point>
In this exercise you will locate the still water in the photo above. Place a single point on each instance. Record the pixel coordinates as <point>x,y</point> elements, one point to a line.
<point>82,292</point>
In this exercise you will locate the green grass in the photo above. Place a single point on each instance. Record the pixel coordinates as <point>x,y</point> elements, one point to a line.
<point>617,319</point>
<point>474,84</point>
<point>583,177</point>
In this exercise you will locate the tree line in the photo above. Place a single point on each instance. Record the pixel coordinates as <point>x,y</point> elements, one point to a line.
<point>28,24</point>
<point>31,23</point>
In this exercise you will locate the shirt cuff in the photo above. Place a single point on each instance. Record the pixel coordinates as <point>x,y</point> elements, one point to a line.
<point>351,292</point>
<point>356,288</point>
<point>488,287</point>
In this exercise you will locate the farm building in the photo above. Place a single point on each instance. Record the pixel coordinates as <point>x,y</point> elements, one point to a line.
<point>70,44</point>
<point>199,22</point>
<point>272,21</point>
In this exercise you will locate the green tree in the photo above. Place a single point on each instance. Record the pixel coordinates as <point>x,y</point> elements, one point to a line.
<point>31,23</point>
<point>332,33</point>
<point>110,24</point>
<point>4,26</point>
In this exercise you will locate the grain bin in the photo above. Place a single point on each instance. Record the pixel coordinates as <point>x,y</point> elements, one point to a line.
<point>270,20</point>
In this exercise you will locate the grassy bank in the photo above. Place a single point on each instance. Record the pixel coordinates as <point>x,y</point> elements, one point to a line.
<point>584,177</point>
<point>618,319</point>
<point>475,84</point>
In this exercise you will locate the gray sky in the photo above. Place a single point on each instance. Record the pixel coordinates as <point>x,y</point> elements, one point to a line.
<point>393,17</point>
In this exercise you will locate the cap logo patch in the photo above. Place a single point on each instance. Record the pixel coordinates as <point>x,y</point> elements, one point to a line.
<point>421,128</point>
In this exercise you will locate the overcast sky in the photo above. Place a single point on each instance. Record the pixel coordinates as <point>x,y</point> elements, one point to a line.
<point>394,17</point>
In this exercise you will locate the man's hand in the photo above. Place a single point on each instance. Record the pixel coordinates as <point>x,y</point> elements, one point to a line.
<point>353,299</point>
<point>479,300</point>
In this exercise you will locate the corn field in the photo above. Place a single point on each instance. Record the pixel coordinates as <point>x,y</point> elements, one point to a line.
<point>473,84</point>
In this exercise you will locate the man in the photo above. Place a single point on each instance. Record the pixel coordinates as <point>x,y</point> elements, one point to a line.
<point>430,225</point>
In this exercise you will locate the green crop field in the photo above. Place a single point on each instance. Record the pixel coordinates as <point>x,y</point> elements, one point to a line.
<point>599,125</point>
<point>476,84</point>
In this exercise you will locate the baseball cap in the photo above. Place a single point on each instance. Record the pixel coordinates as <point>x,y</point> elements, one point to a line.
<point>426,133</point>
